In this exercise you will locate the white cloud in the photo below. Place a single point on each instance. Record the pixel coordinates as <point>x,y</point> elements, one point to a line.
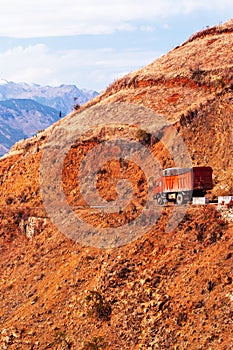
<point>29,18</point>
<point>92,69</point>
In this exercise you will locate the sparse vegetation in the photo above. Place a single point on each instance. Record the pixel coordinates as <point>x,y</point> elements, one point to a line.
<point>61,341</point>
<point>98,306</point>
<point>97,342</point>
<point>143,136</point>
<point>76,106</point>
<point>197,74</point>
<point>9,200</point>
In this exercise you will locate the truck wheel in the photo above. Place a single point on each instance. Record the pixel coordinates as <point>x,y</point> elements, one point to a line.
<point>180,199</point>
<point>160,200</point>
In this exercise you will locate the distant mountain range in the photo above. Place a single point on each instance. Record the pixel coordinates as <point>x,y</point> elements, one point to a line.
<point>22,118</point>
<point>61,98</point>
<point>25,109</point>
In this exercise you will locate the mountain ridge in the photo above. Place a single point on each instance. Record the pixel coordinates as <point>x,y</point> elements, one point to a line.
<point>61,98</point>
<point>23,118</point>
<point>57,101</point>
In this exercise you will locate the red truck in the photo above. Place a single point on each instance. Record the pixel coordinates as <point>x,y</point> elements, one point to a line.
<point>179,185</point>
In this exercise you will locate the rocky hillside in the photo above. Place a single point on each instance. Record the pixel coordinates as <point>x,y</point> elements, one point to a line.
<point>191,87</point>
<point>166,288</point>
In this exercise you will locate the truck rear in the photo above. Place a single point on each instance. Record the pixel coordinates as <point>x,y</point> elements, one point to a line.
<point>179,185</point>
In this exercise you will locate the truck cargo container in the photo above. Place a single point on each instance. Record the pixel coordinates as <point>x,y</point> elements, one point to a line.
<point>180,185</point>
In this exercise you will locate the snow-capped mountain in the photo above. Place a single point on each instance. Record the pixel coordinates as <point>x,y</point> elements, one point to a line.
<point>61,98</point>
<point>22,118</point>
<point>27,108</point>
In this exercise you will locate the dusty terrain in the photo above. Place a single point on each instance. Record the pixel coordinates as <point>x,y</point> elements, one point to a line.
<point>164,290</point>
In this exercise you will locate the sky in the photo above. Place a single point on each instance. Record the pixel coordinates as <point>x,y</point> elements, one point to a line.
<point>91,43</point>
